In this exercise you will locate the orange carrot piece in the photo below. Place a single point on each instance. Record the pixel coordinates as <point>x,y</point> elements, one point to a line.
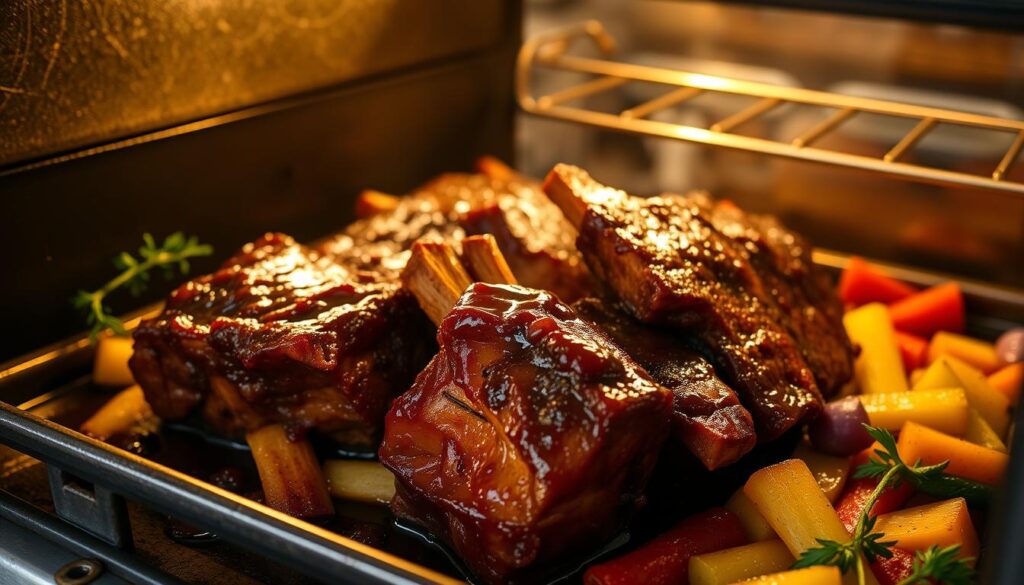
<point>863,283</point>
<point>966,460</point>
<point>939,308</point>
<point>978,353</point>
<point>913,350</point>
<point>1008,381</point>
<point>941,524</point>
<point>858,491</point>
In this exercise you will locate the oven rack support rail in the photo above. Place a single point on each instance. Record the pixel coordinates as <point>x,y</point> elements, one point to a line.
<point>551,51</point>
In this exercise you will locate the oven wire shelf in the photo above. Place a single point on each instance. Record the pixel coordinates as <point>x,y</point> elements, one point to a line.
<point>550,51</point>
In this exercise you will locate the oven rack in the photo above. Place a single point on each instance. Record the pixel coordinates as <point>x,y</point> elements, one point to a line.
<point>551,51</point>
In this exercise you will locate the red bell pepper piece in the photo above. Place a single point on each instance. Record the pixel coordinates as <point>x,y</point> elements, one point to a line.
<point>939,308</point>
<point>913,350</point>
<point>855,496</point>
<point>862,283</point>
<point>666,559</point>
<point>895,569</point>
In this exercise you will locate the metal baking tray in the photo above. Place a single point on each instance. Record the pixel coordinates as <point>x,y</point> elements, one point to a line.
<point>90,481</point>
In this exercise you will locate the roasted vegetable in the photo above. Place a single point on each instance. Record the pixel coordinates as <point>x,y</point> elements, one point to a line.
<point>754,524</point>
<point>980,433</point>
<point>972,351</point>
<point>111,365</point>
<point>292,480</point>
<point>940,524</point>
<point>360,481</point>
<point>862,283</point>
<point>966,460</point>
<point>940,308</point>
<point>859,489</point>
<point>808,576</point>
<point>666,559</point>
<point>913,350</point>
<point>789,498</point>
<point>1010,346</point>
<point>949,372</point>
<point>829,471</point>
<point>879,368</point>
<point>126,410</point>
<point>1008,381</point>
<point>738,563</point>
<point>944,410</point>
<point>839,429</point>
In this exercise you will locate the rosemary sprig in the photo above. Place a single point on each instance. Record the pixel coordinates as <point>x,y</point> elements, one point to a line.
<point>933,565</point>
<point>940,565</point>
<point>135,273</point>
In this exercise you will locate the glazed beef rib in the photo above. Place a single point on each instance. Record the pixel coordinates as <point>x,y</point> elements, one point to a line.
<point>282,333</point>
<point>528,438</point>
<point>707,417</point>
<point>742,287</point>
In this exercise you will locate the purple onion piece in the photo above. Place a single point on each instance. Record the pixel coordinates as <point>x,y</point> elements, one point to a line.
<point>839,429</point>
<point>1010,346</point>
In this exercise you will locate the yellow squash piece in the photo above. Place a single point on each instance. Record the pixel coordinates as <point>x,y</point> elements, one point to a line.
<point>789,498</point>
<point>111,365</point>
<point>879,367</point>
<point>809,576</point>
<point>754,524</point>
<point>979,433</point>
<point>943,409</point>
<point>830,471</point>
<point>360,481</point>
<point>972,351</point>
<point>947,372</point>
<point>120,414</point>
<point>742,562</point>
<point>940,524</point>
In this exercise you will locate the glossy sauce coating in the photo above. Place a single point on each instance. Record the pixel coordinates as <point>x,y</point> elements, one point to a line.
<point>281,333</point>
<point>529,436</point>
<point>675,260</point>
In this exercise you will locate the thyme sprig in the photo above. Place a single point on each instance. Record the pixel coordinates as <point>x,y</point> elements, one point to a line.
<point>940,565</point>
<point>135,275</point>
<point>933,565</point>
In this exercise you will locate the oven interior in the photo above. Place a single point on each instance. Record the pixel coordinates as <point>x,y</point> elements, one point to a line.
<point>388,95</point>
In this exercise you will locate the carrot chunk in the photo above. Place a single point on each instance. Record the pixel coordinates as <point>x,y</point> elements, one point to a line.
<point>863,283</point>
<point>913,350</point>
<point>975,352</point>
<point>940,524</point>
<point>966,460</point>
<point>895,569</point>
<point>939,308</point>
<point>1008,381</point>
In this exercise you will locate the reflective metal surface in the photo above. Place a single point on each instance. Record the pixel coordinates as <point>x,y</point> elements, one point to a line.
<point>549,51</point>
<point>74,74</point>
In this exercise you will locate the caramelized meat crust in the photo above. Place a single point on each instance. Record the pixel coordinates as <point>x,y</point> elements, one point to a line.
<point>707,417</point>
<point>532,234</point>
<point>529,436</point>
<point>742,286</point>
<point>282,334</point>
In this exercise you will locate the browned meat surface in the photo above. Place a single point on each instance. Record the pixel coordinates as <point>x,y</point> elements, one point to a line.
<point>707,419</point>
<point>281,333</point>
<point>741,285</point>
<point>533,236</point>
<point>528,438</point>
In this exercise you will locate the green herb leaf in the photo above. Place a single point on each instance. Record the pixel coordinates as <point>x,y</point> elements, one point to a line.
<point>135,275</point>
<point>940,565</point>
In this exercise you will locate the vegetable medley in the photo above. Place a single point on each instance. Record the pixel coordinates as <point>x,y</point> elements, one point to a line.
<point>890,481</point>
